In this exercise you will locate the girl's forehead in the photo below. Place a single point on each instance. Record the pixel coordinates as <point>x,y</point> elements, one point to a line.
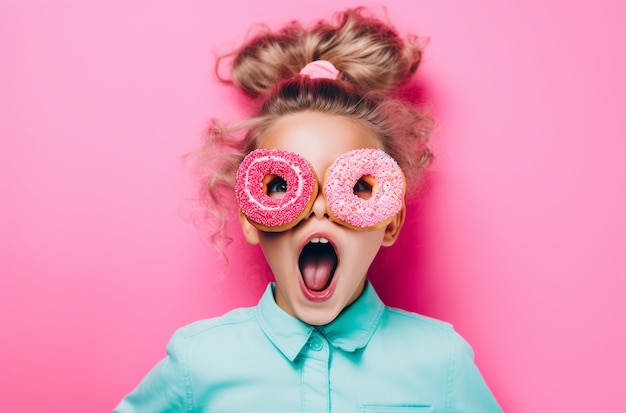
<point>317,136</point>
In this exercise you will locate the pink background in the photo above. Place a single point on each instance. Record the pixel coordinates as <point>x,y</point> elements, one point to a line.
<point>519,241</point>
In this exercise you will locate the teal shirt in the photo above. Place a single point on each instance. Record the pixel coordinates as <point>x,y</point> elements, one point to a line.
<point>371,358</point>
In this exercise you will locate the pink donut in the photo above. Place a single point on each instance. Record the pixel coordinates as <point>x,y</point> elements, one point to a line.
<point>251,188</point>
<point>377,169</point>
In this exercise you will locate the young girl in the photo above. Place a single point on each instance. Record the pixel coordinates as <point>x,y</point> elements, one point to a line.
<point>319,175</point>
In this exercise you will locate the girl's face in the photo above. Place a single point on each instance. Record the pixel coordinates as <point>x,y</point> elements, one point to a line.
<point>319,266</point>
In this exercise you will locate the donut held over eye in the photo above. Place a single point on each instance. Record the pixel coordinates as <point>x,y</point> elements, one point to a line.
<point>381,173</point>
<point>275,189</point>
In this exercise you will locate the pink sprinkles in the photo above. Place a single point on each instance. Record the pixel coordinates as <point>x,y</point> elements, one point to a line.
<point>256,204</point>
<point>345,172</point>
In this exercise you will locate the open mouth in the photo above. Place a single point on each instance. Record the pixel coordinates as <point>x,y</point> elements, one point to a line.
<point>318,262</point>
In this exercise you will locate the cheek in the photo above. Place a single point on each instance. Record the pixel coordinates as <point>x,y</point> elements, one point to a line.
<point>364,246</point>
<point>275,249</point>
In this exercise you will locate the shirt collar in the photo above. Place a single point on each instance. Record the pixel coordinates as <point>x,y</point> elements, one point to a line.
<point>351,330</point>
<point>355,325</point>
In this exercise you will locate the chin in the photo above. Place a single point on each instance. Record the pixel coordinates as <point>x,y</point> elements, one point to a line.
<point>318,317</point>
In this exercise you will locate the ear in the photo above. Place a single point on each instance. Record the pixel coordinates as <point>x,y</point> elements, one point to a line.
<point>249,231</point>
<point>392,230</point>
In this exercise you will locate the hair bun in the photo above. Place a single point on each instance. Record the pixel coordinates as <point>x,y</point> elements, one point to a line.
<point>369,53</point>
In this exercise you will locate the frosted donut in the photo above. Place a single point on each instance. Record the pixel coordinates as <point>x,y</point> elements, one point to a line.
<point>257,171</point>
<point>378,170</point>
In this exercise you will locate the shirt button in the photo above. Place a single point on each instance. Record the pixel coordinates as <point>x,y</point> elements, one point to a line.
<point>316,343</point>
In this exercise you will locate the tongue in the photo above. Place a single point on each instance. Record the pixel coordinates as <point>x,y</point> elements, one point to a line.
<point>316,272</point>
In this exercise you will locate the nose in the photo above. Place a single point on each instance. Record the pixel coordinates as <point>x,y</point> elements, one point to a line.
<point>319,206</point>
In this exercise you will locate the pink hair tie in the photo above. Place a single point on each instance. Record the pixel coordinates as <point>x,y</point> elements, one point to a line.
<point>320,69</point>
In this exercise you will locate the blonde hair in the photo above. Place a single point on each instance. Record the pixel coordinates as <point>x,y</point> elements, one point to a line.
<point>374,63</point>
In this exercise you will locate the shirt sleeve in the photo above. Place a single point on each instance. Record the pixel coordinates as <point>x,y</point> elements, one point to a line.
<point>164,388</point>
<point>468,391</point>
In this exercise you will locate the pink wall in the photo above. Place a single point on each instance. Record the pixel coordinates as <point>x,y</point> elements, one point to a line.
<point>520,241</point>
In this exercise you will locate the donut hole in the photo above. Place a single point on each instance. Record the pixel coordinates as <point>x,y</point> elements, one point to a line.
<point>274,186</point>
<point>365,187</point>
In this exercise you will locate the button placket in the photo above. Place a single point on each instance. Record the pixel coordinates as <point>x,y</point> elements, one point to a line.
<point>315,375</point>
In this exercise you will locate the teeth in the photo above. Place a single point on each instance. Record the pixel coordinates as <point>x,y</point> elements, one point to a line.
<point>319,241</point>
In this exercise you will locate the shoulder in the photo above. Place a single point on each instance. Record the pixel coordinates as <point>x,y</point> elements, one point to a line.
<point>218,329</point>
<point>423,331</point>
<point>425,344</point>
<point>396,317</point>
